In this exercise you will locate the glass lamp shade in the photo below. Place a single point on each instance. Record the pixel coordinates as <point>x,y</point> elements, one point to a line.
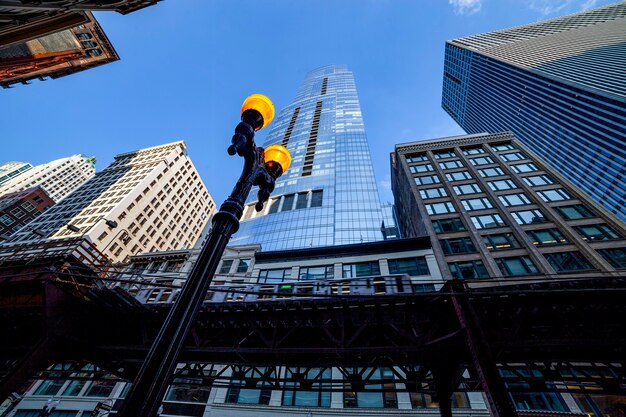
<point>262,104</point>
<point>278,154</point>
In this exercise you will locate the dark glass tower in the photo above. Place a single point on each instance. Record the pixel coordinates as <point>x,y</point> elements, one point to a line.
<point>559,85</point>
<point>328,196</point>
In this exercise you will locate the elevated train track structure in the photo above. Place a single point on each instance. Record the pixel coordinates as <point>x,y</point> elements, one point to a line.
<point>566,335</point>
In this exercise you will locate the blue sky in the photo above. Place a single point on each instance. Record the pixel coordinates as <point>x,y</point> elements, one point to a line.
<point>186,66</point>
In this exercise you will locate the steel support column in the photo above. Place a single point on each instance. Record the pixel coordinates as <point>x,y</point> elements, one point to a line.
<point>484,364</point>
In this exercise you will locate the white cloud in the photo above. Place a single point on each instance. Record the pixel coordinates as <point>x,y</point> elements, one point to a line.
<point>589,4</point>
<point>559,7</point>
<point>466,6</point>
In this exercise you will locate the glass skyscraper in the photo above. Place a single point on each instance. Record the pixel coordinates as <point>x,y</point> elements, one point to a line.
<point>559,85</point>
<point>328,196</point>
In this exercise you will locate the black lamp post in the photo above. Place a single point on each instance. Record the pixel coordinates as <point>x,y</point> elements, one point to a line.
<point>261,167</point>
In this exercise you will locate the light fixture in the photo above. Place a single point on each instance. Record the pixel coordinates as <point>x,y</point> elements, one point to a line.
<point>261,104</point>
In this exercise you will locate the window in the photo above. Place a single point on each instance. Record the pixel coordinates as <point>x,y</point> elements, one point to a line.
<point>226,264</point>
<point>615,256</point>
<point>361,269</point>
<point>301,202</point>
<point>448,225</point>
<point>360,399</point>
<point>529,167</point>
<point>317,273</point>
<point>49,387</point>
<point>513,156</point>
<point>17,213</point>
<point>481,161</point>
<point>487,221</point>
<point>477,204</point>
<point>74,388</point>
<point>38,200</point>
<point>416,169</point>
<point>568,261</point>
<point>472,188</point>
<point>28,206</point>
<point>491,172</point>
<point>427,179</point>
<point>100,389</point>
<point>243,265</point>
<point>419,400</point>
<point>546,237</point>
<point>504,147</point>
<point>444,154</point>
<point>238,394</point>
<point>457,245</point>
<point>529,216</point>
<point>502,185</point>
<point>458,176</point>
<point>410,266</point>
<point>174,266</point>
<point>519,265</point>
<point>433,193</point>
<point>537,180</point>
<point>318,396</point>
<point>468,270</point>
<point>188,393</point>
<point>473,151</point>
<point>597,232</point>
<point>451,164</point>
<point>316,198</point>
<point>514,199</point>
<point>501,241</point>
<point>558,194</point>
<point>575,212</point>
<point>274,275</point>
<point>288,202</point>
<point>417,158</point>
<point>439,208</point>
<point>6,219</point>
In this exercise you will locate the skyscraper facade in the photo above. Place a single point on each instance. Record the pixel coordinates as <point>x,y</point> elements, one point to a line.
<point>559,86</point>
<point>328,196</point>
<point>58,178</point>
<point>147,200</point>
<point>12,169</point>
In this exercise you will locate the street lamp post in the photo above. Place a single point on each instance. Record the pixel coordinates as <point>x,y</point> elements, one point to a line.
<point>261,168</point>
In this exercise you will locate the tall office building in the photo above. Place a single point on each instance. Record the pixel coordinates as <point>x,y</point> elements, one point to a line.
<point>328,196</point>
<point>21,207</point>
<point>10,170</point>
<point>146,200</point>
<point>58,178</point>
<point>494,209</point>
<point>559,85</point>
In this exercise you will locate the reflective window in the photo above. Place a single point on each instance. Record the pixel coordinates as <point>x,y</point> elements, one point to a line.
<point>501,241</point>
<point>49,387</point>
<point>244,264</point>
<point>597,232</point>
<point>487,221</point>
<point>529,216</point>
<point>433,193</point>
<point>519,265</point>
<point>513,156</point>
<point>188,393</point>
<point>415,169</point>
<point>6,219</point>
<point>319,393</point>
<point>477,204</point>
<point>317,272</point>
<point>274,204</point>
<point>568,261</point>
<point>237,394</point>
<point>100,389</point>
<point>491,172</point>
<point>419,400</point>
<point>502,185</point>
<point>558,194</point>
<point>316,198</point>
<point>505,147</point>
<point>514,199</point>
<point>361,269</point>
<point>473,151</point>
<point>529,167</point>
<point>428,179</point>
<point>417,158</point>
<point>288,202</point>
<point>439,208</point>
<point>472,188</point>
<point>546,237</point>
<point>359,399</point>
<point>457,245</point>
<point>410,266</point>
<point>451,164</point>
<point>481,161</point>
<point>448,225</point>
<point>537,180</point>
<point>225,268</point>
<point>575,212</point>
<point>468,270</point>
<point>274,275</point>
<point>615,256</point>
<point>458,176</point>
<point>444,154</point>
<point>301,201</point>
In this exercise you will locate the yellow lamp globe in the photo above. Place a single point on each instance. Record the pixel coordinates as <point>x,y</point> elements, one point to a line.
<point>262,104</point>
<point>277,154</point>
